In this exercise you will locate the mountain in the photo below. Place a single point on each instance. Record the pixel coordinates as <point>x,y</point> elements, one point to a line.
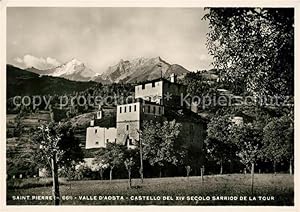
<point>136,70</point>
<point>140,69</point>
<point>73,70</point>
<point>21,82</point>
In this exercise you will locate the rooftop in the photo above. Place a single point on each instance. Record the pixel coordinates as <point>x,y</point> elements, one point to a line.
<point>158,80</point>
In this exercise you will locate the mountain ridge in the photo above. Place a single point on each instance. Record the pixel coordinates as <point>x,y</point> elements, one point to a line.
<point>72,70</point>
<point>140,69</point>
<point>125,71</point>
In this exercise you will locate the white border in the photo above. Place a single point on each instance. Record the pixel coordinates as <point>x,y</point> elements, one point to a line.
<point>140,3</point>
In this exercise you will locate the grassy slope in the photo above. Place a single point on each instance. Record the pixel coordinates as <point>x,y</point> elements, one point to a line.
<point>280,186</point>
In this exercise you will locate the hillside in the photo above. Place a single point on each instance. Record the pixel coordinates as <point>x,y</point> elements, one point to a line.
<point>21,82</point>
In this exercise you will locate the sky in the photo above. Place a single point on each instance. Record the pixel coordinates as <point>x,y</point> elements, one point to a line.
<point>100,37</point>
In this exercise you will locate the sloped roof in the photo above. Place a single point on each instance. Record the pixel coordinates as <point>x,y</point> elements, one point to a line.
<point>183,115</point>
<point>106,121</point>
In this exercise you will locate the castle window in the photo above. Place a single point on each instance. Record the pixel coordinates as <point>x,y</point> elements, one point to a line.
<point>149,109</point>
<point>107,140</point>
<point>120,109</point>
<point>153,84</point>
<point>154,109</point>
<point>143,86</point>
<point>125,109</point>
<point>129,108</point>
<point>97,143</point>
<point>130,141</point>
<point>95,130</point>
<point>127,127</point>
<point>159,110</point>
<point>134,107</point>
<point>115,140</point>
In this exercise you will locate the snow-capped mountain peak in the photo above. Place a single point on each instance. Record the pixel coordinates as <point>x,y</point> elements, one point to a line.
<point>127,71</point>
<point>72,70</point>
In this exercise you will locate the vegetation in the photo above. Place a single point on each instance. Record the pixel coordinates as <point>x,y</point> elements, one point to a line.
<point>160,144</point>
<point>266,66</point>
<point>112,155</point>
<point>278,141</point>
<point>248,139</point>
<point>219,145</point>
<point>262,69</point>
<point>55,145</point>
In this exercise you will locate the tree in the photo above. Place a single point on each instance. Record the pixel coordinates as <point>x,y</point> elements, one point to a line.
<point>70,145</point>
<point>141,169</point>
<point>192,154</point>
<point>129,163</point>
<point>278,141</point>
<point>188,170</point>
<point>20,163</point>
<point>198,85</point>
<point>202,87</point>
<point>99,162</point>
<point>47,138</point>
<point>160,143</point>
<point>54,145</point>
<point>131,157</point>
<point>112,155</point>
<point>248,139</point>
<point>253,48</point>
<point>218,143</point>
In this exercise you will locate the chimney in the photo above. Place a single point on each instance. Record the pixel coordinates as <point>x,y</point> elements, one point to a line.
<point>173,78</point>
<point>92,123</point>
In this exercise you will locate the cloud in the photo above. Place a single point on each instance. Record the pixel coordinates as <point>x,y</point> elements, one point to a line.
<point>41,63</point>
<point>18,60</point>
<point>203,57</point>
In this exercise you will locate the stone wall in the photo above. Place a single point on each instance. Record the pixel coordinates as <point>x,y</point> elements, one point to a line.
<point>128,123</point>
<point>97,137</point>
<point>152,91</point>
<point>128,132</point>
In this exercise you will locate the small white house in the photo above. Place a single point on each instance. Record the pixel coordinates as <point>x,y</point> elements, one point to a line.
<point>97,137</point>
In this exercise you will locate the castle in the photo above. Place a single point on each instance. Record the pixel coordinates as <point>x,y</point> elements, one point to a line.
<point>158,100</point>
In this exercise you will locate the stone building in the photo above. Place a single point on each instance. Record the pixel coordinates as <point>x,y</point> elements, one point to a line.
<point>130,118</point>
<point>161,91</point>
<point>154,100</point>
<point>102,130</point>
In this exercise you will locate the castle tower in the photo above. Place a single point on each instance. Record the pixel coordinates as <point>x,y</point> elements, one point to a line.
<point>99,114</point>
